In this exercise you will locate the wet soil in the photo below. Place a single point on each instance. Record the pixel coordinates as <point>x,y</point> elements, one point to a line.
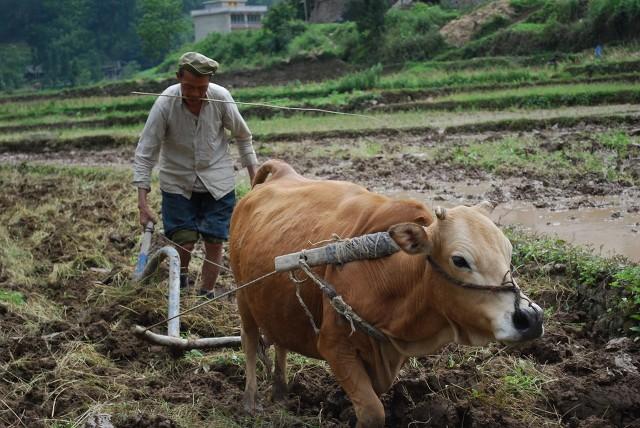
<point>586,377</point>
<point>585,209</point>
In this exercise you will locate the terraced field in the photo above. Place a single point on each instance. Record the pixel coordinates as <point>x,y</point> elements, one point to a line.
<point>557,148</point>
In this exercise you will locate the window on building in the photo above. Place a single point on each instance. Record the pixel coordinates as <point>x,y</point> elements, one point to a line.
<point>253,19</point>
<point>237,19</point>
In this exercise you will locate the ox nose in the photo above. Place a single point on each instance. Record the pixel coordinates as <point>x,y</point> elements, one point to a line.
<point>528,322</point>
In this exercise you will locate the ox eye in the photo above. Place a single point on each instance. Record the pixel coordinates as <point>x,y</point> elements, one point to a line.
<point>460,262</point>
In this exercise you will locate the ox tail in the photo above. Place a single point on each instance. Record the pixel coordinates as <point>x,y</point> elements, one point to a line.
<point>276,168</point>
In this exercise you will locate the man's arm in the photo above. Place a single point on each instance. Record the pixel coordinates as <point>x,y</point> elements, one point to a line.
<point>251,169</point>
<point>234,122</point>
<point>146,214</point>
<point>146,156</point>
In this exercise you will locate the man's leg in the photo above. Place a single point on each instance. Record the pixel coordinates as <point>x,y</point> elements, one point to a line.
<point>185,241</point>
<point>210,267</point>
<point>178,217</point>
<point>184,251</point>
<point>213,224</point>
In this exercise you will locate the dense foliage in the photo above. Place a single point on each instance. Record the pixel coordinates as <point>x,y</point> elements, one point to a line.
<point>75,42</point>
<point>556,25</point>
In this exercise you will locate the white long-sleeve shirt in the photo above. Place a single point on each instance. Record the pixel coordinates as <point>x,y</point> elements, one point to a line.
<point>193,151</point>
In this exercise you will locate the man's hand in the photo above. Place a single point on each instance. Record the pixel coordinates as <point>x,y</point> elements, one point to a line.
<point>251,169</point>
<point>146,215</point>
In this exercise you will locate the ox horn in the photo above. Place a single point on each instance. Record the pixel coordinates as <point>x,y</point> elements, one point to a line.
<point>485,207</point>
<point>441,213</point>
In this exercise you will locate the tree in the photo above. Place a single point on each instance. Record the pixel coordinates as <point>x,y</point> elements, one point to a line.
<point>369,18</point>
<point>280,25</point>
<point>159,25</point>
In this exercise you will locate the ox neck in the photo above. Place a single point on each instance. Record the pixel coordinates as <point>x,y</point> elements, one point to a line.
<point>411,310</point>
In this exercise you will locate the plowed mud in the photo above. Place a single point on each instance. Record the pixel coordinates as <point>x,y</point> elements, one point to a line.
<point>574,376</point>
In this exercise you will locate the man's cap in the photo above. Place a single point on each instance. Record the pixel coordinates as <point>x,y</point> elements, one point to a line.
<point>198,64</point>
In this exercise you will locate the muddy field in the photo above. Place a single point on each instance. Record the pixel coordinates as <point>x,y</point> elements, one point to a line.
<point>68,369</point>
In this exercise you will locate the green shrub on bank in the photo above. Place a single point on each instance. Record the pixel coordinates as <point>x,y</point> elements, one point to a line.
<point>583,270</point>
<point>363,80</point>
<point>614,19</point>
<point>413,34</point>
<point>333,40</point>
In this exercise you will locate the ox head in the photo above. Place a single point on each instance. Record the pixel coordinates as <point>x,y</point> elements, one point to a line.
<point>470,264</point>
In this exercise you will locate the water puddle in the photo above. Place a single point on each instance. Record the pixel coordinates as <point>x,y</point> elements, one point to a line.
<point>607,228</point>
<point>607,231</point>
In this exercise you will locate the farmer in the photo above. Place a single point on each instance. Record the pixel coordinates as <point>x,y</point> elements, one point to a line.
<point>197,179</point>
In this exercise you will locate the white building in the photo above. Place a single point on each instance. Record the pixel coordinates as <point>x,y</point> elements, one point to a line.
<point>224,16</point>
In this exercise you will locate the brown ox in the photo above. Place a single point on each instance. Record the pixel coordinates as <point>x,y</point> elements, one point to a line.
<point>417,306</point>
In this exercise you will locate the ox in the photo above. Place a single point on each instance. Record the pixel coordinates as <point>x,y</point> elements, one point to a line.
<point>427,295</point>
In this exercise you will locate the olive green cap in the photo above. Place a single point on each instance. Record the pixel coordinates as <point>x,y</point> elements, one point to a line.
<point>198,64</point>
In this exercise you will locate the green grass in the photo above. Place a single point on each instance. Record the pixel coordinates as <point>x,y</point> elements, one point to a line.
<point>524,156</point>
<point>272,128</point>
<point>583,271</point>
<point>13,297</point>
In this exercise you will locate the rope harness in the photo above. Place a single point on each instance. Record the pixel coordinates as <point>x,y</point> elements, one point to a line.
<point>341,251</point>
<point>373,246</point>
<point>507,284</point>
<point>338,303</point>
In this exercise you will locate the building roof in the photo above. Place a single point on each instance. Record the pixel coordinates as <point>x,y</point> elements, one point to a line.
<point>225,10</point>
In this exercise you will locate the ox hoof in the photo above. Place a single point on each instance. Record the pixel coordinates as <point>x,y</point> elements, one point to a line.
<point>250,407</point>
<point>279,392</point>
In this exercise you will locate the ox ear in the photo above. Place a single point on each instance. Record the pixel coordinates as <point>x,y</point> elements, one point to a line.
<point>411,238</point>
<point>484,207</point>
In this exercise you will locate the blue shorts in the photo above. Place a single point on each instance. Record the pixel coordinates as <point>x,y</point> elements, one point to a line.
<point>184,219</point>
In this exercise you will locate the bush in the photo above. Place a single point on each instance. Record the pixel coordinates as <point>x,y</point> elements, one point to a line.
<point>491,26</point>
<point>413,34</point>
<point>563,11</point>
<point>15,58</point>
<point>614,19</point>
<point>280,25</point>
<point>234,49</point>
<point>324,39</point>
<point>525,5</point>
<point>363,80</point>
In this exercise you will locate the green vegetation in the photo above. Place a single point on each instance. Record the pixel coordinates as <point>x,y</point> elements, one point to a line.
<point>13,297</point>
<point>598,158</point>
<point>584,272</point>
<point>151,34</point>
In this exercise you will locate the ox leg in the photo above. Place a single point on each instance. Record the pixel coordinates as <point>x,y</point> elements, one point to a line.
<point>250,336</point>
<point>352,376</point>
<point>279,390</point>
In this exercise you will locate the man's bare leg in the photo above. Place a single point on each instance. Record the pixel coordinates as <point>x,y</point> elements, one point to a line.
<point>210,271</point>
<point>185,258</point>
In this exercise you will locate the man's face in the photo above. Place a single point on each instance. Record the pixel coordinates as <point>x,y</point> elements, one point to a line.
<point>193,87</point>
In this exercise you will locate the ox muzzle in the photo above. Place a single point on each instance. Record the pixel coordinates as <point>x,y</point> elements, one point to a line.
<point>527,316</point>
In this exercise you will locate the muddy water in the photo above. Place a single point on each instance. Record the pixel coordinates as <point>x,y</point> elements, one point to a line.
<point>607,228</point>
<point>607,231</point>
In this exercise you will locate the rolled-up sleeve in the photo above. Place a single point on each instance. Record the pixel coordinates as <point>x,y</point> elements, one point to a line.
<point>234,122</point>
<point>148,148</point>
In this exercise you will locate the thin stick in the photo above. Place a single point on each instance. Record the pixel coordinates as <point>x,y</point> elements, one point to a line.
<point>318,110</point>
<point>14,413</point>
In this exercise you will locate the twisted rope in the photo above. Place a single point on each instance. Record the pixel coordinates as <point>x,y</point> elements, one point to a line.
<point>365,247</point>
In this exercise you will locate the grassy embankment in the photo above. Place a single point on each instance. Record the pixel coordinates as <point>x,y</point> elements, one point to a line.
<point>423,89</point>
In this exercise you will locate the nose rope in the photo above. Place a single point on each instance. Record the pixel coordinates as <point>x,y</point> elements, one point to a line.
<point>505,285</point>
